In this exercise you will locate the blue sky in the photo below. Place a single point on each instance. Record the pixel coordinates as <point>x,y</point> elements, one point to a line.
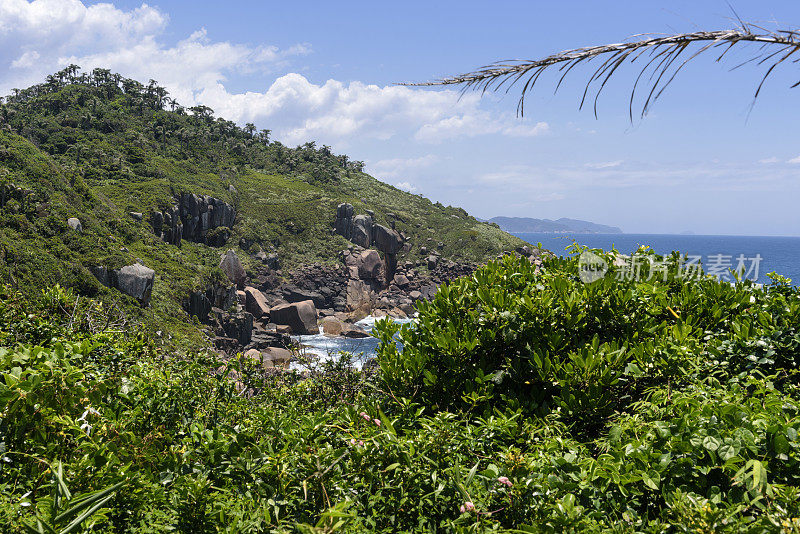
<point>325,71</point>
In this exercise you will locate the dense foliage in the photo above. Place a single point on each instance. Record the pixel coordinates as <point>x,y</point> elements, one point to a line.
<point>106,126</point>
<point>536,341</point>
<point>521,401</point>
<point>680,393</point>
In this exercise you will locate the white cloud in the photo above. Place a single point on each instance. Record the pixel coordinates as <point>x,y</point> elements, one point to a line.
<point>37,36</point>
<point>335,112</point>
<point>398,167</point>
<point>794,160</point>
<point>406,186</point>
<point>40,37</point>
<point>605,165</point>
<point>524,130</point>
<point>477,122</point>
<point>767,161</point>
<point>194,69</point>
<point>26,60</point>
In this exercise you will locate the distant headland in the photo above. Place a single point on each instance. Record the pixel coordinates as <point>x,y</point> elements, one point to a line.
<point>559,226</point>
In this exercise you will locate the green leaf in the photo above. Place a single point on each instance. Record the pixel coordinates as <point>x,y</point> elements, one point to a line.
<point>39,529</point>
<point>728,450</point>
<point>79,520</point>
<point>651,479</point>
<point>711,443</point>
<point>567,504</point>
<point>759,474</point>
<point>780,444</point>
<point>471,474</point>
<point>88,500</point>
<point>386,422</point>
<point>491,471</point>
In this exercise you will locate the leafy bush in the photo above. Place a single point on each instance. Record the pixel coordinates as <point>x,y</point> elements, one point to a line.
<point>642,415</point>
<point>512,336</point>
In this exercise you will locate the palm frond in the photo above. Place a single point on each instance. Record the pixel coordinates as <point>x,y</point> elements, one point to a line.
<point>660,55</point>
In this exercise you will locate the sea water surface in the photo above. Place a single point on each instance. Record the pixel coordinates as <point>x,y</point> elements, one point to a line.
<point>778,254</point>
<point>325,347</point>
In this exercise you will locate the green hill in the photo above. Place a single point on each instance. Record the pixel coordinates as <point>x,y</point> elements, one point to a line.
<point>98,147</point>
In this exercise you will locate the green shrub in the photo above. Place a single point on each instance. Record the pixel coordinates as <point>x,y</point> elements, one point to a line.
<point>646,417</point>
<point>512,336</point>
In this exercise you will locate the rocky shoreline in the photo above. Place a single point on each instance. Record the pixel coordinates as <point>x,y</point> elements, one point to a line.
<point>257,316</point>
<point>258,312</point>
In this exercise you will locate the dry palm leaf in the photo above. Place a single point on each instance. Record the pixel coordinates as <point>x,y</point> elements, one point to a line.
<point>660,55</point>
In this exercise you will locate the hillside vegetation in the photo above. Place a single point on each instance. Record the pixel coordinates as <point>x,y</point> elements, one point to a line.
<point>97,146</point>
<point>524,401</point>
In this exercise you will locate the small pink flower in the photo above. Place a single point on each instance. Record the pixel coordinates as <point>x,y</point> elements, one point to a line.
<point>365,416</point>
<point>352,441</point>
<point>377,422</point>
<point>467,507</point>
<point>361,443</point>
<point>505,481</point>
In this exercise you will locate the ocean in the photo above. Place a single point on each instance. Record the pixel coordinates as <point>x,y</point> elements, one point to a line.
<point>778,254</point>
<point>324,347</point>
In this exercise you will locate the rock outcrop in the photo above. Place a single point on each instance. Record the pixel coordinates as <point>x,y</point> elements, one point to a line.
<point>237,325</point>
<point>354,332</point>
<point>75,224</point>
<point>370,265</point>
<point>199,218</point>
<point>232,268</point>
<point>332,326</point>
<point>256,303</point>
<point>359,298</point>
<point>276,357</point>
<point>270,357</point>
<point>167,225</point>
<point>387,240</point>
<point>300,316</point>
<point>200,303</point>
<point>272,261</point>
<point>295,294</point>
<point>134,280</point>
<point>344,220</point>
<point>362,229</point>
<point>401,281</point>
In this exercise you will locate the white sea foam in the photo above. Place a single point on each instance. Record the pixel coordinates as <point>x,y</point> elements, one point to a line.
<point>322,347</point>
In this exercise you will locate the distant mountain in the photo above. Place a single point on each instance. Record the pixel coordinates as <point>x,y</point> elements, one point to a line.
<point>562,225</point>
